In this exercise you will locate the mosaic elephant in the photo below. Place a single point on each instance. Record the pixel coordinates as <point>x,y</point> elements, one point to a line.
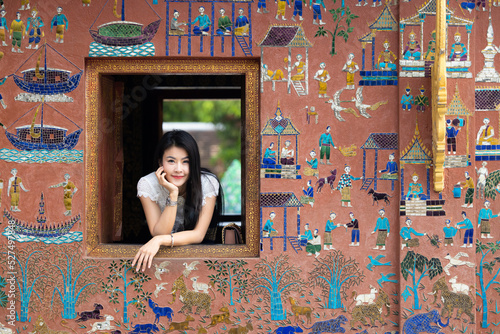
<point>422,323</point>
<point>452,300</point>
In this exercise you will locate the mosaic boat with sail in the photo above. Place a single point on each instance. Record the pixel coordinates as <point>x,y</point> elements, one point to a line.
<point>44,80</point>
<point>42,136</point>
<point>124,33</point>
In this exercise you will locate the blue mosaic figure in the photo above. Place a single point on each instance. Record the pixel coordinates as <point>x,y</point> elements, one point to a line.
<point>466,225</point>
<point>308,197</point>
<point>483,220</point>
<point>406,233</point>
<point>384,229</point>
<point>312,165</point>
<point>35,23</point>
<point>203,23</point>
<point>345,185</point>
<point>354,223</point>
<point>269,155</point>
<point>316,8</point>
<point>449,233</point>
<point>261,7</point>
<point>469,5</point>
<point>329,227</point>
<point>297,10</point>
<point>241,25</point>
<point>391,169</point>
<point>422,323</point>
<point>407,99</point>
<point>61,23</point>
<point>4,28</point>
<point>307,236</point>
<point>1,98</point>
<point>268,230</point>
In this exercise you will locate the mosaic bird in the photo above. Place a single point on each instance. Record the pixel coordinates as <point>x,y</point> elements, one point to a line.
<point>385,278</point>
<point>190,267</point>
<point>337,108</point>
<point>159,287</point>
<point>376,262</point>
<point>363,107</point>
<point>161,269</point>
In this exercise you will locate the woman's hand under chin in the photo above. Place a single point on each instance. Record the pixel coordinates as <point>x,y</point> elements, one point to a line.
<point>146,254</point>
<point>162,179</point>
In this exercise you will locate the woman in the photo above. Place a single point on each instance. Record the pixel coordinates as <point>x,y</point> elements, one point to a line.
<point>180,200</point>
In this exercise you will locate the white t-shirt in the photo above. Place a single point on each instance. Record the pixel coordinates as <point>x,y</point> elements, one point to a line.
<point>148,186</point>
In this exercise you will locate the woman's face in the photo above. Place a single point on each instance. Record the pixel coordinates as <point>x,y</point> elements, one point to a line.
<point>175,164</point>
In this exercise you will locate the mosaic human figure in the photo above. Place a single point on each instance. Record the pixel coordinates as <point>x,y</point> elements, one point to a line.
<point>391,168</point>
<point>69,190</point>
<point>4,29</point>
<point>386,59</point>
<point>307,236</point>
<point>269,75</point>
<point>415,189</point>
<point>61,23</point>
<point>325,141</point>
<point>203,22</point>
<point>87,3</point>
<point>242,24</point>
<point>322,76</point>
<point>282,9</point>
<point>451,136</point>
<point>345,185</point>
<point>375,3</point>
<point>224,24</point>
<point>421,101</point>
<point>287,153</point>
<point>316,5</point>
<point>176,25</point>
<point>33,29</point>
<point>17,31</point>
<point>482,174</point>
<point>314,245</point>
<point>384,229</point>
<point>485,133</point>
<point>449,233</point>
<point>350,67</point>
<point>261,7</point>
<point>466,225</point>
<point>25,5</point>
<point>269,155</point>
<point>483,220</point>
<point>365,3</point>
<point>407,99</point>
<point>430,55</point>
<point>412,49</point>
<point>481,4</point>
<point>14,190</point>
<point>312,165</point>
<point>329,227</point>
<point>354,224</point>
<point>297,10</point>
<point>299,66</point>
<point>458,49</point>
<point>469,195</point>
<point>268,230</point>
<point>406,233</point>
<point>308,197</point>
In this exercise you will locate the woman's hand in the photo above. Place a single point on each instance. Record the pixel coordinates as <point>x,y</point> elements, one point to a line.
<point>162,179</point>
<point>146,254</point>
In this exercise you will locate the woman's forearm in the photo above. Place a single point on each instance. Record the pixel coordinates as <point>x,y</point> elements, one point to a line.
<point>166,221</point>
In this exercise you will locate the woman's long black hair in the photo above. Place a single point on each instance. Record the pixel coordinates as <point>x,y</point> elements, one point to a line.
<point>194,193</point>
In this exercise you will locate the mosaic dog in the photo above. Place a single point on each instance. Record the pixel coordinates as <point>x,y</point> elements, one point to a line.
<point>201,300</point>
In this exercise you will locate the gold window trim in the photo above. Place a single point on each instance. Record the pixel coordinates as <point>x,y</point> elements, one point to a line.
<point>249,67</point>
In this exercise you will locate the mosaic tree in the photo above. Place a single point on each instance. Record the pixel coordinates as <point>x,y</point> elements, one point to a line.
<point>485,249</point>
<point>230,276</point>
<point>31,278</point>
<point>335,274</point>
<point>3,295</point>
<point>274,280</point>
<point>124,272</point>
<point>340,30</point>
<point>412,265</point>
<point>79,278</point>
